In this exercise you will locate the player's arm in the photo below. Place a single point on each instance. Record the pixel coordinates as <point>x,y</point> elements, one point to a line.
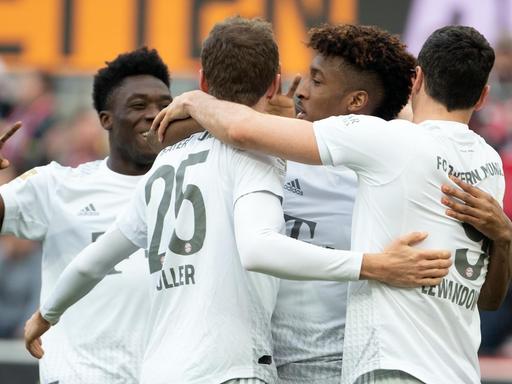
<point>262,248</point>
<point>177,131</point>
<point>88,268</point>
<point>280,105</point>
<point>484,213</point>
<point>243,127</point>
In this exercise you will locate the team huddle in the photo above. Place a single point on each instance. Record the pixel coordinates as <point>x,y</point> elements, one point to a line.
<point>308,237</point>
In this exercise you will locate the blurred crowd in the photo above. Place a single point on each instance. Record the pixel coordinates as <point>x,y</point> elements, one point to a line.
<point>66,129</point>
<point>494,123</point>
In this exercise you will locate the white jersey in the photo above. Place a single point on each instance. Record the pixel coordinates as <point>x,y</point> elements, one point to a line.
<point>432,333</point>
<point>210,319</point>
<point>309,319</point>
<point>101,338</point>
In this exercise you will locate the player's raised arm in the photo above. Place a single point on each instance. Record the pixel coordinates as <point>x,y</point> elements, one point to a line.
<point>483,212</point>
<point>88,268</point>
<point>259,218</point>
<point>243,127</point>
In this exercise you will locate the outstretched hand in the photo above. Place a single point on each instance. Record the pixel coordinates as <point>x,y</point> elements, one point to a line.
<point>478,208</point>
<point>4,163</point>
<point>35,327</point>
<point>284,104</point>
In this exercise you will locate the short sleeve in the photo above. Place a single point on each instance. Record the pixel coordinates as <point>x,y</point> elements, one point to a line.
<point>132,221</point>
<point>373,148</point>
<point>254,172</point>
<point>27,201</point>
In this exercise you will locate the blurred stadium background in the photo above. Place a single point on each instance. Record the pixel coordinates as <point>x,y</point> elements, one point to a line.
<point>49,50</point>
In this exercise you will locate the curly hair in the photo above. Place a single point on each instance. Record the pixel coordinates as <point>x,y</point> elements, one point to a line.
<point>371,54</point>
<point>141,61</point>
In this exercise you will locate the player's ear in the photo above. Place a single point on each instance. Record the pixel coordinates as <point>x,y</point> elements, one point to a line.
<point>274,87</point>
<point>203,83</point>
<point>483,97</point>
<point>418,80</point>
<point>106,120</point>
<point>357,101</point>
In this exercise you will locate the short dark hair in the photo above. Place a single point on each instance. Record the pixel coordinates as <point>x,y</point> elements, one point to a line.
<point>240,59</point>
<point>456,61</point>
<point>141,61</point>
<point>377,59</point>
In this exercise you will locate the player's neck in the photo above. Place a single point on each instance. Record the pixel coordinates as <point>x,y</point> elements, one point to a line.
<point>260,105</point>
<point>432,110</point>
<point>125,167</point>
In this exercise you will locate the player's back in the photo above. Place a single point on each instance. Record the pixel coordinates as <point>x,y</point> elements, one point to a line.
<point>309,319</point>
<point>210,319</point>
<point>429,332</point>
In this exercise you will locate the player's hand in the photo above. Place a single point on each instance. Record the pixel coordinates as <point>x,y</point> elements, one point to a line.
<point>34,328</point>
<point>4,163</point>
<point>476,207</point>
<point>177,110</point>
<point>284,105</point>
<point>153,142</point>
<point>404,266</point>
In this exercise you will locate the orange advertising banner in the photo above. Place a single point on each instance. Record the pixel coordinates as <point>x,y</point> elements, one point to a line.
<point>80,35</point>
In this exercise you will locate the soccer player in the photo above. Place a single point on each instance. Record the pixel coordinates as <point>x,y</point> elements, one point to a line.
<point>101,339</point>
<point>200,202</point>
<point>399,335</point>
<point>355,69</point>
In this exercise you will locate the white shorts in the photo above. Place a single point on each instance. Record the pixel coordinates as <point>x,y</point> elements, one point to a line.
<point>251,380</point>
<point>387,376</point>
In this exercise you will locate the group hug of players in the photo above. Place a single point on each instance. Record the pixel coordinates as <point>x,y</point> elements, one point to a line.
<point>181,271</point>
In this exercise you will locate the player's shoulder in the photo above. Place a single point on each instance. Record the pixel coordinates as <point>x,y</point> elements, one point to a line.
<point>353,120</point>
<point>58,174</point>
<point>404,128</point>
<point>81,170</point>
<point>490,151</point>
<point>245,157</point>
<point>195,142</point>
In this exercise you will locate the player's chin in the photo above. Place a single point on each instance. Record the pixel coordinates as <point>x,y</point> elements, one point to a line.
<point>145,154</point>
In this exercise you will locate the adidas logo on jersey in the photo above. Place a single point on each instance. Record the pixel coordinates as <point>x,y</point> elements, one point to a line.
<point>294,187</point>
<point>88,210</point>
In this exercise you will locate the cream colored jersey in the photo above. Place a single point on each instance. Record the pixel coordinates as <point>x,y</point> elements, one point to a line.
<point>309,319</point>
<point>67,209</point>
<point>431,333</point>
<point>209,319</point>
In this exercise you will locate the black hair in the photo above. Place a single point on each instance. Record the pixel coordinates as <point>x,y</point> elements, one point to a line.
<point>456,61</point>
<point>141,61</point>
